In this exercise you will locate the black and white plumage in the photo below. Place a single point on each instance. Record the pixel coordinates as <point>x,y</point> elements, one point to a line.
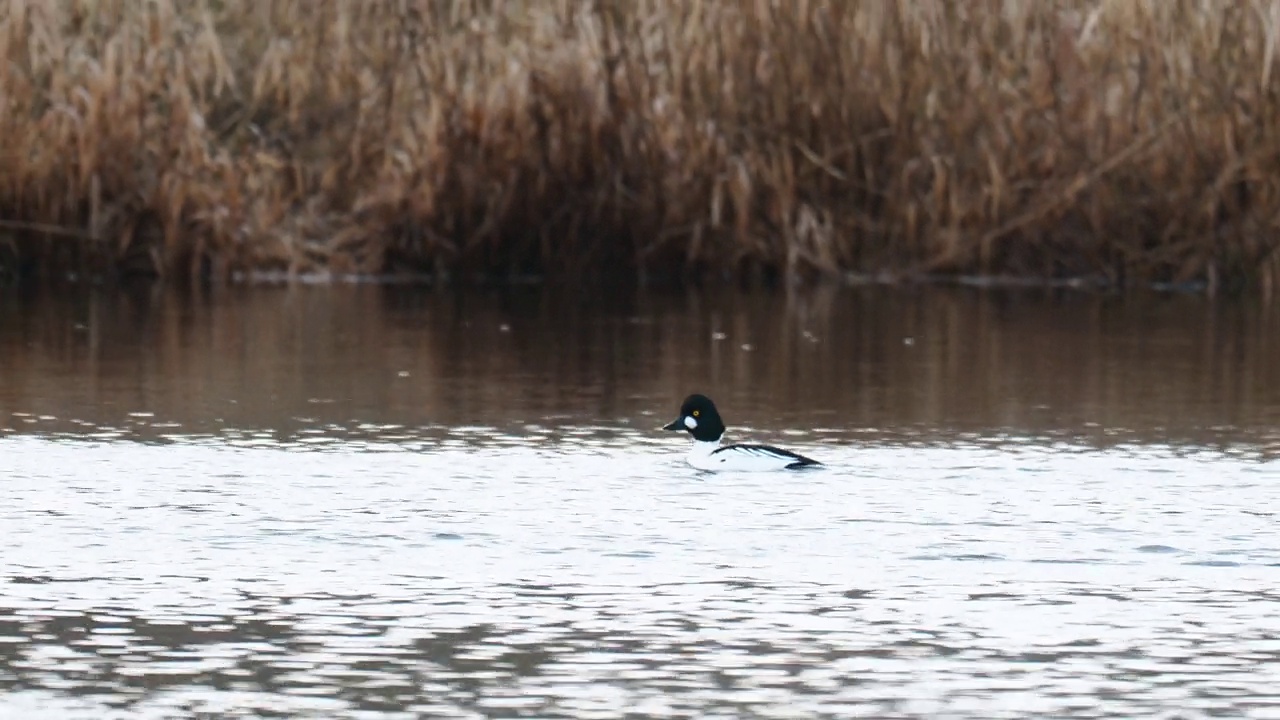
<point>699,417</point>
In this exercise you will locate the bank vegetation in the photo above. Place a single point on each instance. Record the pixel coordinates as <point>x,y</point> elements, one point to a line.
<point>1127,142</point>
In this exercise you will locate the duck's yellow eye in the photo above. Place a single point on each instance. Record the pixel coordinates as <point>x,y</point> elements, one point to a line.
<point>696,413</point>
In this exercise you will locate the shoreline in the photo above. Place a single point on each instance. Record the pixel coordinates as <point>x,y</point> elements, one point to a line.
<point>264,279</point>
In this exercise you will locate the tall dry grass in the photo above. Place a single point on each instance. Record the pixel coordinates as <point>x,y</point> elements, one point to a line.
<point>1129,139</point>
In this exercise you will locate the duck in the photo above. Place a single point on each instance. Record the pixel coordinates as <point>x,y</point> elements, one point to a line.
<point>699,417</point>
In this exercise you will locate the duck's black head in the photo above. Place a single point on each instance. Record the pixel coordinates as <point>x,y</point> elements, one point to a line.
<point>699,417</point>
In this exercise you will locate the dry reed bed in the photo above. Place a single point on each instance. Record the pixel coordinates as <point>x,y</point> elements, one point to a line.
<point>1129,139</point>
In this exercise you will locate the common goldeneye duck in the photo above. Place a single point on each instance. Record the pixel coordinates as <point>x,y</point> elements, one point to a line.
<point>699,418</point>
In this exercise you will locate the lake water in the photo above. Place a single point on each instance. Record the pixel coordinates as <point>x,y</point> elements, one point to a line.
<point>383,502</point>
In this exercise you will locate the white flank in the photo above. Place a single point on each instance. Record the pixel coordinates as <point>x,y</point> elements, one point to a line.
<point>703,456</point>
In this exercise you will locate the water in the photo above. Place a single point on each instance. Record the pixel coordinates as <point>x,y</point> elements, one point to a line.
<point>386,502</point>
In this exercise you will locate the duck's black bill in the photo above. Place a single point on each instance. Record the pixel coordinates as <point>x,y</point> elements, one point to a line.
<point>676,424</point>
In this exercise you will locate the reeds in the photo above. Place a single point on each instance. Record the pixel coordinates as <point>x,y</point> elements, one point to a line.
<point>1134,140</point>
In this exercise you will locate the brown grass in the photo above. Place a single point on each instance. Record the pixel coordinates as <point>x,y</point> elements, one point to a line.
<point>1134,140</point>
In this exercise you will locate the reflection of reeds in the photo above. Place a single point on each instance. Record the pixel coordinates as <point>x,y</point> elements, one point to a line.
<point>1132,140</point>
<point>869,363</point>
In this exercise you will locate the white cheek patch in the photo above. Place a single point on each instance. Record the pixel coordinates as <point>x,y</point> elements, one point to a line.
<point>689,422</point>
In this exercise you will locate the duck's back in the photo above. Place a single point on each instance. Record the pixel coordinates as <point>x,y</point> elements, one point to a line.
<point>752,457</point>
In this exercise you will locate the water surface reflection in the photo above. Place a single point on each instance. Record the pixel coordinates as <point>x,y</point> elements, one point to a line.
<point>383,502</point>
<point>880,362</point>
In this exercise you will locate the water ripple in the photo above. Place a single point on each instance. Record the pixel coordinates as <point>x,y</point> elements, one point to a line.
<point>585,574</point>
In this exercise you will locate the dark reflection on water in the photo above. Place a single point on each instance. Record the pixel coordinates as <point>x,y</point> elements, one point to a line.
<point>386,502</point>
<point>888,363</point>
